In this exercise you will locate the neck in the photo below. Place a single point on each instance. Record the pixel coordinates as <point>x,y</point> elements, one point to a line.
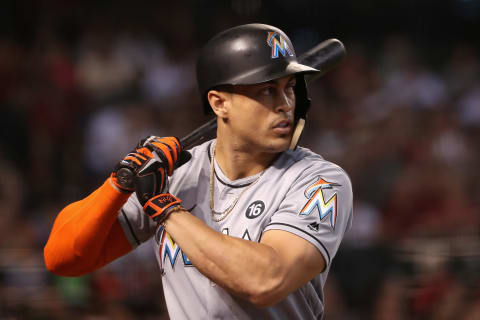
<point>239,161</point>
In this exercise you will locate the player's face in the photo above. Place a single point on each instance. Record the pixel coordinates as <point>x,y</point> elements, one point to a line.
<point>262,115</point>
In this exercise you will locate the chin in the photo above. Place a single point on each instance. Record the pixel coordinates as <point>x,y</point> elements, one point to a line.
<point>280,145</point>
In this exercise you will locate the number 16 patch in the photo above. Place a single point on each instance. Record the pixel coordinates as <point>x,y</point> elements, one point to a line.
<point>314,193</point>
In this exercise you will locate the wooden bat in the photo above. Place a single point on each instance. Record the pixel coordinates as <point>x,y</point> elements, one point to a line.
<point>324,57</point>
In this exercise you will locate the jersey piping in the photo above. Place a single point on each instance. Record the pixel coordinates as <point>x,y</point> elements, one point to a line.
<point>303,231</point>
<point>130,228</point>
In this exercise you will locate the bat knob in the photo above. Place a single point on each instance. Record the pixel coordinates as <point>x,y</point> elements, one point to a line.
<point>125,178</point>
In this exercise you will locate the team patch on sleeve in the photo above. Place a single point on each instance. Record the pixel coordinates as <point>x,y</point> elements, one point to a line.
<point>316,200</point>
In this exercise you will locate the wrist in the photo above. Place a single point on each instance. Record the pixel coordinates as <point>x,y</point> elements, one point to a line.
<point>110,193</point>
<point>176,211</point>
<point>161,206</point>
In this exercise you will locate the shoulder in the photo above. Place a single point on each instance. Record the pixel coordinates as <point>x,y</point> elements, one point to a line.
<point>191,171</point>
<point>304,163</point>
<point>200,155</point>
<point>201,150</point>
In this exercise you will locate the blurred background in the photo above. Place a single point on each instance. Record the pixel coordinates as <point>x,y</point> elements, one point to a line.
<point>82,82</point>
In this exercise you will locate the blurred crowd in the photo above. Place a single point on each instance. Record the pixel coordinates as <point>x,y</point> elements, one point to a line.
<point>405,129</point>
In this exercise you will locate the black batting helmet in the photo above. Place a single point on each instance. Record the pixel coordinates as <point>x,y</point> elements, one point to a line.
<point>251,54</point>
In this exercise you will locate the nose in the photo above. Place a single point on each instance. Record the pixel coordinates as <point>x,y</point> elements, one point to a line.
<point>285,103</point>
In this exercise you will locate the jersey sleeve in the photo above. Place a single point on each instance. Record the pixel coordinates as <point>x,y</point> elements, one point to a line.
<point>317,208</point>
<point>138,227</point>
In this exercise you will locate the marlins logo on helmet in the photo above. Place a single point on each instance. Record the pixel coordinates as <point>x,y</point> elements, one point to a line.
<point>278,45</point>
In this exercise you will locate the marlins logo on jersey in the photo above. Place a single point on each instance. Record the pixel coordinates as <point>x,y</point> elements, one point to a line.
<point>314,193</point>
<point>169,250</point>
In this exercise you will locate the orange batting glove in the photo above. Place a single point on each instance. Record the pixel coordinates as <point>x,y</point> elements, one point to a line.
<point>125,171</point>
<point>168,155</point>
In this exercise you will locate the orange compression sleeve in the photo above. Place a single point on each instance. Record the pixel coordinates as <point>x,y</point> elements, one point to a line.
<point>86,234</point>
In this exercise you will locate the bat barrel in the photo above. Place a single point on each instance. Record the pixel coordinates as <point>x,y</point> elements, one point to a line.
<point>325,56</point>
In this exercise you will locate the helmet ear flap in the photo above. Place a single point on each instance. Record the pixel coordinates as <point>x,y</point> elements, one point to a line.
<point>302,105</point>
<point>302,101</point>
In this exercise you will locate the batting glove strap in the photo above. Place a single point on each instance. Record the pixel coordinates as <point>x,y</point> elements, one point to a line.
<point>159,207</point>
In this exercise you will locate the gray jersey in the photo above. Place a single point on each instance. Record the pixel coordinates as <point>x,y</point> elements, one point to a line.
<point>300,193</point>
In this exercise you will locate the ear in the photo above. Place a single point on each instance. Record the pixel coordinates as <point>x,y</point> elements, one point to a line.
<point>219,102</point>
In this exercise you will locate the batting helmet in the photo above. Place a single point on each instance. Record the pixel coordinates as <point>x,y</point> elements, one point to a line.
<point>251,54</point>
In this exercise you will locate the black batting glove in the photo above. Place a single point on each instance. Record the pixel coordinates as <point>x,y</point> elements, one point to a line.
<point>124,171</point>
<point>152,180</point>
<point>168,150</point>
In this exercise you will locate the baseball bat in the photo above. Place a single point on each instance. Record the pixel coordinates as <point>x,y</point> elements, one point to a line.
<point>325,56</point>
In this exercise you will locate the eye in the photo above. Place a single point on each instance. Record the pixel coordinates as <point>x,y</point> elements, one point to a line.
<point>268,91</point>
<point>290,88</point>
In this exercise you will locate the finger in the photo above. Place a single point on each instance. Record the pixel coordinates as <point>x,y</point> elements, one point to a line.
<point>133,157</point>
<point>145,151</point>
<point>173,144</point>
<point>165,150</point>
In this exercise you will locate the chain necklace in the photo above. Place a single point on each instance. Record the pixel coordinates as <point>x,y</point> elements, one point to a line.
<point>216,215</point>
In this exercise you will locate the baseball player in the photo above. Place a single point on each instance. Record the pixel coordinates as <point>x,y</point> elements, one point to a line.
<point>246,225</point>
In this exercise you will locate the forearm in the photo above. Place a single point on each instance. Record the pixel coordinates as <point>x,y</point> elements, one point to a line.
<point>247,269</point>
<point>86,234</point>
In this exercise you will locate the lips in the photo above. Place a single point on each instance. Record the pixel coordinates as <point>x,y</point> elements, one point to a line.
<point>283,126</point>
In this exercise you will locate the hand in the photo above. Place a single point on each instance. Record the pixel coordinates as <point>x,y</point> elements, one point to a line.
<point>161,206</point>
<point>147,166</point>
<point>151,180</point>
<point>124,172</point>
<point>168,150</point>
